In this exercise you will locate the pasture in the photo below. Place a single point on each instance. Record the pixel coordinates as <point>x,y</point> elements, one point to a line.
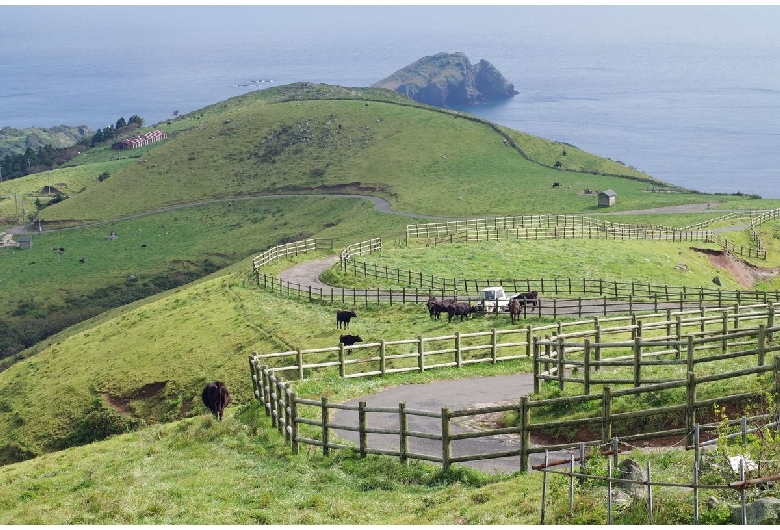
<point>142,366</point>
<point>44,291</point>
<point>654,262</point>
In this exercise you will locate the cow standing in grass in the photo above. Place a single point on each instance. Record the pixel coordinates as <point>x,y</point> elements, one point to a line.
<point>437,307</point>
<point>343,317</point>
<point>349,340</point>
<point>216,398</point>
<point>514,309</point>
<point>461,309</point>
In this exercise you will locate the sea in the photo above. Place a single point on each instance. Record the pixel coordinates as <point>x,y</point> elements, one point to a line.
<point>687,94</point>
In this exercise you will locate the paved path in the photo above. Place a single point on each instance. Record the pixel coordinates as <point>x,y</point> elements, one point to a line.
<point>380,204</point>
<point>456,395</point>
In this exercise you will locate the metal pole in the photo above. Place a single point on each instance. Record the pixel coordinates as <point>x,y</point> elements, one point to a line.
<point>696,493</point>
<point>571,484</point>
<point>742,491</point>
<point>609,491</point>
<point>649,496</point>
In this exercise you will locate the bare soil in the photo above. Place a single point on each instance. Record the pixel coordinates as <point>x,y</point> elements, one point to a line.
<point>745,273</point>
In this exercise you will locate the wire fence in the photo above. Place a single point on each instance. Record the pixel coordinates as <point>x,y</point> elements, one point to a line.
<point>626,476</point>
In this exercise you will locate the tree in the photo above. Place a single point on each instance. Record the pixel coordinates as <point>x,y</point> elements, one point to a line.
<point>175,113</point>
<point>135,118</point>
<point>121,123</point>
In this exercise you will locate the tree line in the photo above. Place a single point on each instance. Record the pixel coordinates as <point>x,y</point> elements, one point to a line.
<point>49,157</point>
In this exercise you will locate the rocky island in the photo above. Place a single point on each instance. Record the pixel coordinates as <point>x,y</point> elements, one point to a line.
<point>449,80</point>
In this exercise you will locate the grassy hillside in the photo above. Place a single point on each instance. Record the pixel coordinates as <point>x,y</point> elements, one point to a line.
<point>137,355</point>
<point>419,158</point>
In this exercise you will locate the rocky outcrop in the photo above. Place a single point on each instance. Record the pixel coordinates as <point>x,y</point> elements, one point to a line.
<point>449,80</point>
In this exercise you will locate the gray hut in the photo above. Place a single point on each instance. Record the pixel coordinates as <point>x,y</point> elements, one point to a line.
<point>25,242</point>
<point>607,198</point>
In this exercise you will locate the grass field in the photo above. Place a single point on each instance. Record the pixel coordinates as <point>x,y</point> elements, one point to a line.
<point>138,353</point>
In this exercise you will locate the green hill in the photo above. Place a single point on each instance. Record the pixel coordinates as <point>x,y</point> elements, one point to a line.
<point>320,139</point>
<point>135,354</point>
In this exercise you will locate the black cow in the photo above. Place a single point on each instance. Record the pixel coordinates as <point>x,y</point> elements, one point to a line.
<point>530,298</point>
<point>461,309</point>
<point>216,398</point>
<point>343,317</point>
<point>349,340</point>
<point>437,307</point>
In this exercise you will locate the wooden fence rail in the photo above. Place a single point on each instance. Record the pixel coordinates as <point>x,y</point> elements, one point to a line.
<point>657,339</point>
<point>553,226</point>
<point>614,290</point>
<point>284,408</point>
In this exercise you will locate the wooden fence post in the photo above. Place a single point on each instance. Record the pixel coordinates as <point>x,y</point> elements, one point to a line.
<point>286,389</point>
<point>493,345</point>
<point>678,334</point>
<point>529,334</point>
<point>342,367</point>
<point>420,354</point>
<point>770,321</point>
<point>691,350</point>
<point>292,396</point>
<point>586,367</point>
<point>561,366</point>
<point>325,430</point>
<point>403,428</point>
<point>761,345</point>
<point>299,358</point>
<point>362,425</point>
<point>637,361</point>
<point>457,349</point>
<point>525,434</point>
<point>446,450</point>
<point>598,344</point>
<point>690,410</point>
<point>536,366</point>
<point>280,408</point>
<point>382,356</point>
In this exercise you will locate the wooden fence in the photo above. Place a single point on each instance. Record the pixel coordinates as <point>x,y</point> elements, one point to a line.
<point>281,403</point>
<point>309,421</point>
<point>646,338</point>
<point>460,288</point>
<point>722,334</point>
<point>553,226</point>
<point>289,249</point>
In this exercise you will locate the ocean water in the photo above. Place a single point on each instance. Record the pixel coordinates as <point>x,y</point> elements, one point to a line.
<point>689,95</point>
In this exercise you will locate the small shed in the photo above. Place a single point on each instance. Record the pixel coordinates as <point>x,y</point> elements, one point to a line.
<point>25,242</point>
<point>607,198</point>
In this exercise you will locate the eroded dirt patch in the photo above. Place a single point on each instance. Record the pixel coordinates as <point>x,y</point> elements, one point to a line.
<point>122,404</point>
<point>743,272</point>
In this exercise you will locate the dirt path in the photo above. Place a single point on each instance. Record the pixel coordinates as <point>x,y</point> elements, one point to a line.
<point>379,203</point>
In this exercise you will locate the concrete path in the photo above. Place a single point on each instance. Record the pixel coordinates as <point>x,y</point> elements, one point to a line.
<point>456,395</point>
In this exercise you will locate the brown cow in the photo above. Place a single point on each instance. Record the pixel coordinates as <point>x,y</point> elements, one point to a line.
<point>514,309</point>
<point>216,398</point>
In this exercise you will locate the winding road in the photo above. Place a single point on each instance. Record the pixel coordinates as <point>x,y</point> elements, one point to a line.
<point>457,394</point>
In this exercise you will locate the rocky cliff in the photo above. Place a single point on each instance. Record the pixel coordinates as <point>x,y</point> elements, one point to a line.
<point>448,80</point>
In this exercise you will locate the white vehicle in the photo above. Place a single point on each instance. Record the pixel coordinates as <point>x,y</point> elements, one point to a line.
<point>490,297</point>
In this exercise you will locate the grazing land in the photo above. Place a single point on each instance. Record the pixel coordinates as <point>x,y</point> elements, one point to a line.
<point>100,414</point>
